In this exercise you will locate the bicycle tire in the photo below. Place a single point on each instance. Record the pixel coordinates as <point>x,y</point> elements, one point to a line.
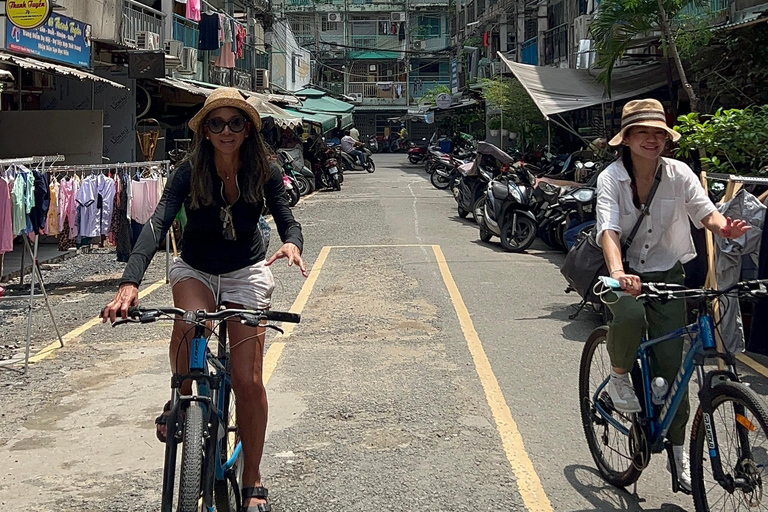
<point>226,493</point>
<point>744,396</point>
<point>191,471</point>
<point>615,476</point>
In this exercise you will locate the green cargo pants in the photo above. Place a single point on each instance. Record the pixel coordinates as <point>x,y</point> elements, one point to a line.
<point>631,320</point>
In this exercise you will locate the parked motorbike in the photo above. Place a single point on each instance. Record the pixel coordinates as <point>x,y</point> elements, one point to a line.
<point>351,163</point>
<point>304,178</point>
<point>446,173</point>
<point>417,154</point>
<point>472,185</point>
<point>291,190</point>
<point>373,144</point>
<point>507,212</point>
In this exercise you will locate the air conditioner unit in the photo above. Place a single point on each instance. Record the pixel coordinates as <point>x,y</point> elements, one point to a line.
<point>372,67</point>
<point>174,48</point>
<point>397,16</point>
<point>581,27</point>
<point>147,40</point>
<point>262,79</point>
<point>357,97</point>
<point>188,60</point>
<point>419,45</point>
<point>334,17</point>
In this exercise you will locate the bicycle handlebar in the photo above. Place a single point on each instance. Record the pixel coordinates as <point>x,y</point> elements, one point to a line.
<point>248,316</point>
<point>668,291</point>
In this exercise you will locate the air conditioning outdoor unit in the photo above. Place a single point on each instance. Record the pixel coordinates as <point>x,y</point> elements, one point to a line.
<point>147,40</point>
<point>581,27</point>
<point>262,79</point>
<point>397,16</point>
<point>334,17</point>
<point>174,48</point>
<point>419,45</point>
<point>357,97</point>
<point>372,67</point>
<point>188,60</point>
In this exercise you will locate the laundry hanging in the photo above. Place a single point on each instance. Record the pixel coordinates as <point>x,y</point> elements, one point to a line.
<point>6,223</point>
<point>209,32</point>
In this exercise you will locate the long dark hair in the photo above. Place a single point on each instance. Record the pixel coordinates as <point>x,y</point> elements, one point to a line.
<point>253,161</point>
<point>626,158</point>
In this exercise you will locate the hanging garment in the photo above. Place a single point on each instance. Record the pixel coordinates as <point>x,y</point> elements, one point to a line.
<point>96,200</point>
<point>758,341</point>
<point>401,32</point>
<point>225,29</point>
<point>209,32</point>
<point>6,223</point>
<point>729,254</point>
<point>19,209</point>
<point>52,221</point>
<point>67,190</point>
<point>121,221</point>
<point>39,213</point>
<point>65,242</point>
<point>226,58</point>
<point>144,201</point>
<point>193,10</point>
<point>240,41</point>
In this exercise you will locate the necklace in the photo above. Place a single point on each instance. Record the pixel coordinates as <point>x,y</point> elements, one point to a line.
<point>227,176</point>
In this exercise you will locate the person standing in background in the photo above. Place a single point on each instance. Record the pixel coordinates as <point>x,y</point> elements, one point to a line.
<point>354,133</point>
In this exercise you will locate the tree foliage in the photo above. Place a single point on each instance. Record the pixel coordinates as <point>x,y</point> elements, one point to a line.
<point>520,113</point>
<point>430,95</point>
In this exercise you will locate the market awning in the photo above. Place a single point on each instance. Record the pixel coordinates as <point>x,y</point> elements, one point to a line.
<point>309,92</point>
<point>327,104</point>
<point>184,86</point>
<point>326,121</point>
<point>49,67</point>
<point>268,110</point>
<point>557,90</point>
<point>346,121</point>
<point>373,55</point>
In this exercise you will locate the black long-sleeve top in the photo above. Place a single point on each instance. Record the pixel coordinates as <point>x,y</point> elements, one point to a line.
<point>204,245</point>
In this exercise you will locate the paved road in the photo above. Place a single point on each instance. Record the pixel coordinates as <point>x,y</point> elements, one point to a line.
<point>430,372</point>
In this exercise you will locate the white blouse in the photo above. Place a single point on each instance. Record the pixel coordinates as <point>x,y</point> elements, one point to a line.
<point>664,237</point>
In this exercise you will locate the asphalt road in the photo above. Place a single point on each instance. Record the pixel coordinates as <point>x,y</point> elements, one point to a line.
<point>431,372</point>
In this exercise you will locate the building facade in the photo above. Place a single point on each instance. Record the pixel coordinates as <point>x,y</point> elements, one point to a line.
<point>383,55</point>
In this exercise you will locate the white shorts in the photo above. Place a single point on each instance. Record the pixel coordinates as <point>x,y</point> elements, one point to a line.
<point>251,286</point>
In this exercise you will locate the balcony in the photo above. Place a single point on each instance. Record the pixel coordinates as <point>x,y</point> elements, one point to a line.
<point>429,3</point>
<point>433,44</point>
<point>421,86</point>
<point>185,30</point>
<point>137,18</point>
<point>556,44</point>
<point>379,93</point>
<point>374,42</point>
<point>530,51</point>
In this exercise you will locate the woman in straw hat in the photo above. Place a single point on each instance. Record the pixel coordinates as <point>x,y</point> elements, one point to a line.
<point>661,246</point>
<point>223,186</point>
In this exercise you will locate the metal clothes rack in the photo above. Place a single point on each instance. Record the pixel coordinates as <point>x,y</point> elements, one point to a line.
<point>162,165</point>
<point>35,274</point>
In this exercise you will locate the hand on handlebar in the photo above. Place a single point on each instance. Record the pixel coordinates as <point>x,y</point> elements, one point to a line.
<point>631,284</point>
<point>127,296</point>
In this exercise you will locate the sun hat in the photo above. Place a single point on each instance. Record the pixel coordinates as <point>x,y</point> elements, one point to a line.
<point>225,97</point>
<point>643,113</point>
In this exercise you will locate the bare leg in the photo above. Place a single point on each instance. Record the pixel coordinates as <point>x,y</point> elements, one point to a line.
<point>247,351</point>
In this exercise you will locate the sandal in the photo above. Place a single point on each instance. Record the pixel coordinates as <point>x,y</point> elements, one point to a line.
<point>256,492</point>
<point>162,420</point>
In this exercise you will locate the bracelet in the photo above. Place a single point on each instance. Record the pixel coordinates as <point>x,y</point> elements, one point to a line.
<point>616,270</point>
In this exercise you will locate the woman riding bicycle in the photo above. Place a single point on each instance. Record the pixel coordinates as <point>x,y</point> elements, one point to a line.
<point>657,254</point>
<point>223,186</point>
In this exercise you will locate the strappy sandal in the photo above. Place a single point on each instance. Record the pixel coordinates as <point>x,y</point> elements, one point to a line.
<point>162,420</point>
<point>256,492</point>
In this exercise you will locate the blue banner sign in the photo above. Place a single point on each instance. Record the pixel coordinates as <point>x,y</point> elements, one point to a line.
<point>60,39</point>
<point>454,76</point>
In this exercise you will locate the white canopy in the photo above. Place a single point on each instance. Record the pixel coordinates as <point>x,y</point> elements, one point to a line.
<point>556,90</point>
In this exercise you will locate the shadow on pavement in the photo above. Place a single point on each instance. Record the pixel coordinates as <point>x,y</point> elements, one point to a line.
<point>603,496</point>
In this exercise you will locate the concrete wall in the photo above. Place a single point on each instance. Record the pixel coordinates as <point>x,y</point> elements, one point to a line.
<point>102,15</point>
<point>288,60</point>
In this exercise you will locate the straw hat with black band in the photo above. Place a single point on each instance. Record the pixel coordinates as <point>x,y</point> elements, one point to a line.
<point>225,97</point>
<point>643,113</point>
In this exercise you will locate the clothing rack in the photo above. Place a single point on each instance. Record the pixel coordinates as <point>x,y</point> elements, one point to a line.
<point>35,273</point>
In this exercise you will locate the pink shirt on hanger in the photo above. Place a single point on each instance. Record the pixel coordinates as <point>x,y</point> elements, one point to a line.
<point>193,10</point>
<point>6,225</point>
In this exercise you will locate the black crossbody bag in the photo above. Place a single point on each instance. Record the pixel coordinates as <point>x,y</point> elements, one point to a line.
<point>585,262</point>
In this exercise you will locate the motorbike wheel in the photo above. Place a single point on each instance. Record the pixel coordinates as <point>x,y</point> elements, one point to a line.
<point>429,167</point>
<point>414,159</point>
<point>336,182</point>
<point>463,213</point>
<point>371,167</point>
<point>517,236</point>
<point>304,186</point>
<point>477,209</point>
<point>293,197</point>
<point>485,234</point>
<point>440,182</point>
<point>546,237</point>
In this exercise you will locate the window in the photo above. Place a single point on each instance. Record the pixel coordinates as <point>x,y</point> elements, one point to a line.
<point>327,26</point>
<point>301,27</point>
<point>556,15</point>
<point>429,26</point>
<point>531,28</point>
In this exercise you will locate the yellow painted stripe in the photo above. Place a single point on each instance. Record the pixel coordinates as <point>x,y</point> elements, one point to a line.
<point>276,348</point>
<point>79,331</point>
<point>528,482</point>
<point>375,246</point>
<point>759,368</point>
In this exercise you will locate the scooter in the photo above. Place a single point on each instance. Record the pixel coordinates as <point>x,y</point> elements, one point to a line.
<point>507,209</point>
<point>291,190</point>
<point>330,175</point>
<point>351,163</point>
<point>470,190</point>
<point>373,144</point>
<point>417,154</point>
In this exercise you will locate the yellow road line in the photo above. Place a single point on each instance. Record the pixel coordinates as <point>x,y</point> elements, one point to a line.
<point>528,482</point>
<point>79,331</point>
<point>377,246</point>
<point>276,348</point>
<point>759,368</point>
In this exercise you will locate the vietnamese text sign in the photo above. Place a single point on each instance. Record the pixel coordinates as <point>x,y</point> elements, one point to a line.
<point>61,39</point>
<point>28,14</point>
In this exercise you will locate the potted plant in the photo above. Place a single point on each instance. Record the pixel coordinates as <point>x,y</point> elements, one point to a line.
<point>494,124</point>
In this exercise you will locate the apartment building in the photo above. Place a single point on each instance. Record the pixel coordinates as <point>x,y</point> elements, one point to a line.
<point>383,55</point>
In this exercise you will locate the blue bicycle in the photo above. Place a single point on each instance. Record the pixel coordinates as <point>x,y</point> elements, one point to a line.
<point>211,460</point>
<point>729,434</point>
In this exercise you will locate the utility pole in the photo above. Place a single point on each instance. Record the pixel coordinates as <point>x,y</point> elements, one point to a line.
<point>407,43</point>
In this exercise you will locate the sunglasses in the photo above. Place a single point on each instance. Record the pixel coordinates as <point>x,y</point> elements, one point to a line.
<point>217,124</point>
<point>228,228</point>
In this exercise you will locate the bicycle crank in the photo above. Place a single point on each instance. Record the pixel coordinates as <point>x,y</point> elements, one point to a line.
<point>639,449</point>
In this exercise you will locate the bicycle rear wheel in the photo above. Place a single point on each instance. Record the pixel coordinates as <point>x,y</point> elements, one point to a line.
<point>610,448</point>
<point>227,492</point>
<point>741,425</point>
<point>192,456</point>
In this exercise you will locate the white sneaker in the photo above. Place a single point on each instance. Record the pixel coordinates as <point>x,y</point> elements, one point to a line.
<point>683,467</point>
<point>622,394</point>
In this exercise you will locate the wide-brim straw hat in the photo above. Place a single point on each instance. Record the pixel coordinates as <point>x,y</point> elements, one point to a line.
<point>643,113</point>
<point>225,97</point>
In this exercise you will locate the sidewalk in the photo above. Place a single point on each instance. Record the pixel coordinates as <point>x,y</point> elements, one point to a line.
<point>46,253</point>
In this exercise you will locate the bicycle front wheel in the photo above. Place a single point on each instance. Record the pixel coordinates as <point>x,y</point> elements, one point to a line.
<point>740,424</point>
<point>192,456</point>
<point>227,491</point>
<point>610,448</point>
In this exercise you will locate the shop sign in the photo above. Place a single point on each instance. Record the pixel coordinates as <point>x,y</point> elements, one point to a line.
<point>454,75</point>
<point>443,100</point>
<point>60,39</point>
<point>28,14</point>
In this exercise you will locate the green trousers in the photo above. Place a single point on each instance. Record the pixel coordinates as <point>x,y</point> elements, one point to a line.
<point>633,319</point>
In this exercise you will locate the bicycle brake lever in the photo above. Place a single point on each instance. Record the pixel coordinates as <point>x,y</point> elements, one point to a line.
<point>275,328</point>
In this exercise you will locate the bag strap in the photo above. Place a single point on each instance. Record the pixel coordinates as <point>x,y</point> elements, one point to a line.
<point>644,212</point>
